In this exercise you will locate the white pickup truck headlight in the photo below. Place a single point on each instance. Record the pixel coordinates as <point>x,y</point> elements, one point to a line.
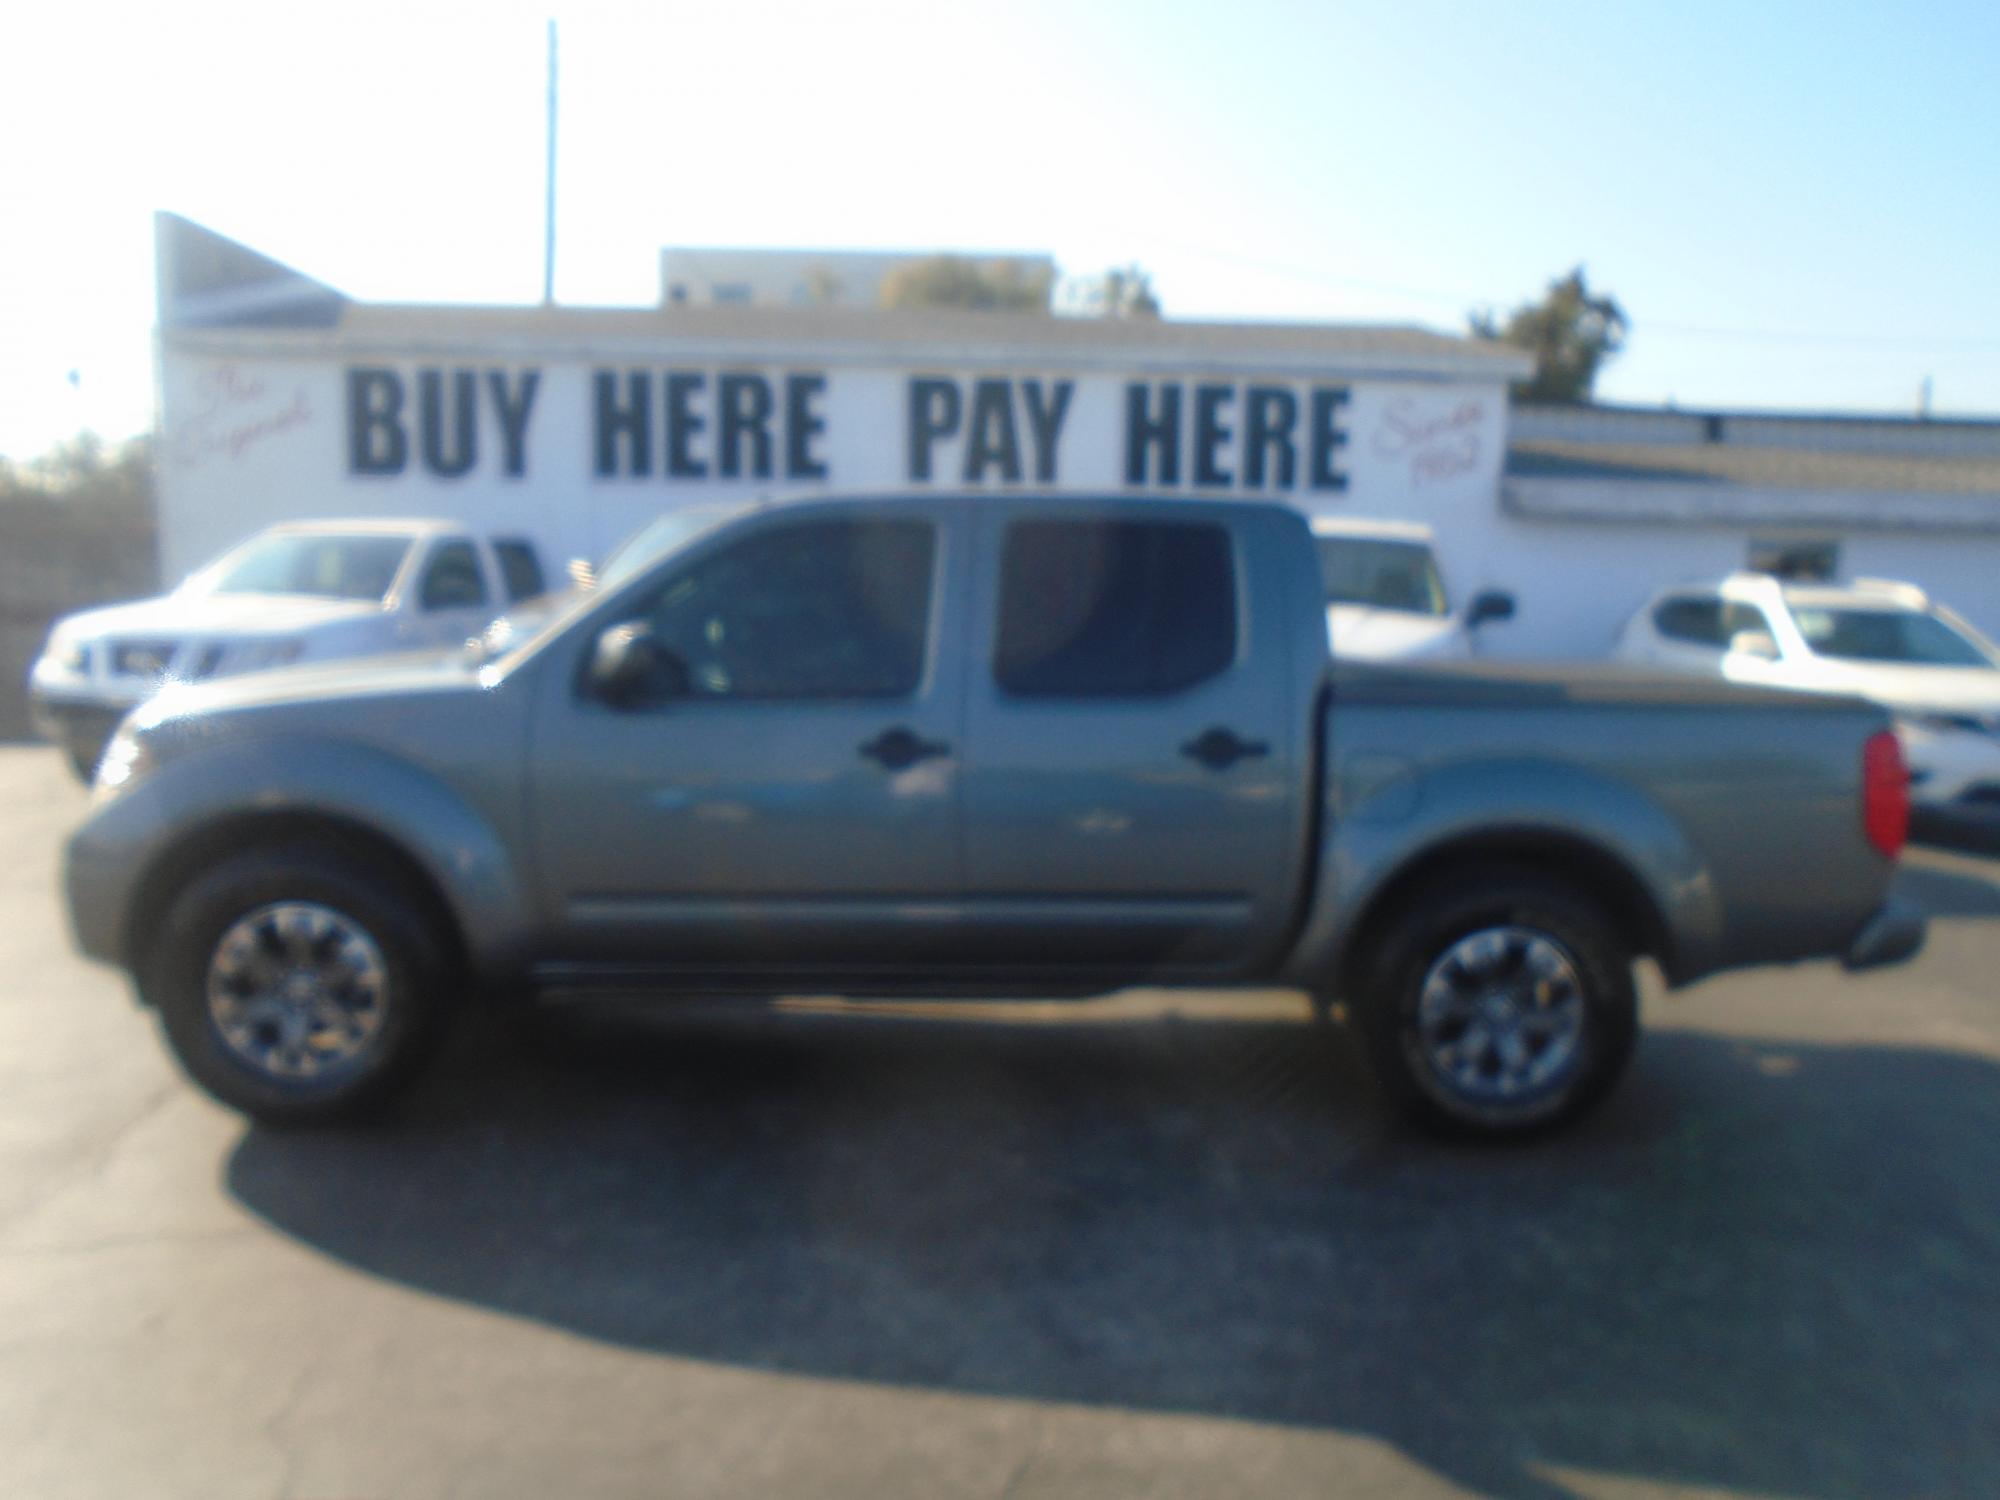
<point>70,655</point>
<point>125,760</point>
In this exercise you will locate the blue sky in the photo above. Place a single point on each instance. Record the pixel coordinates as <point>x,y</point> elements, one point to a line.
<point>1795,203</point>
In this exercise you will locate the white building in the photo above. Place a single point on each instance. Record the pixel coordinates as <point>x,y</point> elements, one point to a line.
<point>1615,502</point>
<point>282,399</point>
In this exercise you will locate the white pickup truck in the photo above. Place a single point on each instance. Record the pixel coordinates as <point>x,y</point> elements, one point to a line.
<point>304,591</point>
<point>1386,600</point>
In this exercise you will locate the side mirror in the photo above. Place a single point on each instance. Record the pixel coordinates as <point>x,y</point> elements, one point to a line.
<point>1757,643</point>
<point>1494,604</point>
<point>627,666</point>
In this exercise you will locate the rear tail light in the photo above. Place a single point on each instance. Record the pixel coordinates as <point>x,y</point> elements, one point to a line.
<point>1885,793</point>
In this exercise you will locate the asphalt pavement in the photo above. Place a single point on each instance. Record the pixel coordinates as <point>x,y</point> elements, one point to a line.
<point>1128,1248</point>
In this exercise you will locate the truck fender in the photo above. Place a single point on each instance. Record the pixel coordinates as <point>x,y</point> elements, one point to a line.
<point>237,791</point>
<point>1388,829</point>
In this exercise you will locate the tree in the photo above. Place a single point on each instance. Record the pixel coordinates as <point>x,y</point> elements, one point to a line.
<point>1571,333</point>
<point>1006,285</point>
<point>85,471</point>
<point>1121,292</point>
<point>822,287</point>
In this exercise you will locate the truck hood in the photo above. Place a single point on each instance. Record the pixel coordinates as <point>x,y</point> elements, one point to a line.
<point>319,688</point>
<point>216,615</point>
<point>1363,632</point>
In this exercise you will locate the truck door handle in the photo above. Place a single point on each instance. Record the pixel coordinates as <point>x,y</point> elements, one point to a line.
<point>1219,749</point>
<point>901,748</point>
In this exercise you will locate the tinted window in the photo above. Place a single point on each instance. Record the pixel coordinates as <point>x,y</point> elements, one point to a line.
<point>1696,621</point>
<point>1887,635</point>
<point>1801,562</point>
<point>1737,618</point>
<point>520,569</point>
<point>1381,574</point>
<point>821,609</point>
<point>1113,608</point>
<point>333,567</point>
<point>1707,620</point>
<point>453,581</point>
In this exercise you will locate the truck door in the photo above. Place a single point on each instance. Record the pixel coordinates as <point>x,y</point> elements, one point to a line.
<point>789,794</point>
<point>452,601</point>
<point>1132,781</point>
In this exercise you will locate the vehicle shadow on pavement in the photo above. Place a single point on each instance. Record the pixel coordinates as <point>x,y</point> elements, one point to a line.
<point>1763,1267</point>
<point>1946,893</point>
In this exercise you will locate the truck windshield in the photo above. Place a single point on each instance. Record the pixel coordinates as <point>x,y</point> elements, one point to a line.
<point>656,539</point>
<point>1381,574</point>
<point>331,567</point>
<point>1897,635</point>
<point>514,633</point>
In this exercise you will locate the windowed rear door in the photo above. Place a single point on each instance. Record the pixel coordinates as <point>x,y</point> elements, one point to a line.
<point>1131,783</point>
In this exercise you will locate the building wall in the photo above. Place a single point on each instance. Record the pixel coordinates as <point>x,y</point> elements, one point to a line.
<point>248,439</point>
<point>251,438</point>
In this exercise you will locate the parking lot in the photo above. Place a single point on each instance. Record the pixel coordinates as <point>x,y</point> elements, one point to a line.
<point>1128,1248</point>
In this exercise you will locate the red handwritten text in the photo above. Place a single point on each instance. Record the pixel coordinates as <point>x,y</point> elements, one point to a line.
<point>234,412</point>
<point>1437,444</point>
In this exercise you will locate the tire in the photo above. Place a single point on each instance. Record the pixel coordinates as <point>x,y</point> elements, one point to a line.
<point>1499,1003</point>
<point>299,984</point>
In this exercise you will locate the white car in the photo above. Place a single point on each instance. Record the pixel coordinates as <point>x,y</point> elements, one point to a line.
<point>1386,600</point>
<point>1872,639</point>
<point>305,591</point>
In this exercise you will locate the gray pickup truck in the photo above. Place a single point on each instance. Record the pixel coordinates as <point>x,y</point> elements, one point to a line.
<point>973,746</point>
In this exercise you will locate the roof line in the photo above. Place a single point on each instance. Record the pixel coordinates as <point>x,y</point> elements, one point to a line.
<point>1441,364</point>
<point>1757,414</point>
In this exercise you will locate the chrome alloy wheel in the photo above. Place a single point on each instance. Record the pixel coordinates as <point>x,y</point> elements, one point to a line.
<point>1500,1015</point>
<point>297,990</point>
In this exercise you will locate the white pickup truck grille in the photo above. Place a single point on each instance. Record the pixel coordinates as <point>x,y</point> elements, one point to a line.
<point>151,660</point>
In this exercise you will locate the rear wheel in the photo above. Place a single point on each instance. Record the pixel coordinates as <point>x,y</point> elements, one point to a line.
<point>299,985</point>
<point>1500,1003</point>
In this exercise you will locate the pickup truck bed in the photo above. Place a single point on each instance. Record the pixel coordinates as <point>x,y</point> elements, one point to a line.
<point>1716,797</point>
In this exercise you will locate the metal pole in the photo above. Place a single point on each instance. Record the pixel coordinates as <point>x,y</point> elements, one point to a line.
<point>549,206</point>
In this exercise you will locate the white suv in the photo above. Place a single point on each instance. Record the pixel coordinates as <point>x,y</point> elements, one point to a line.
<point>1882,641</point>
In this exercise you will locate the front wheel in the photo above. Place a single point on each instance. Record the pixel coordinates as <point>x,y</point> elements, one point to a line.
<point>1500,1003</point>
<point>298,985</point>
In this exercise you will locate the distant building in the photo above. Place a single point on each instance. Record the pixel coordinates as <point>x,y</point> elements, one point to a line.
<point>1623,500</point>
<point>803,278</point>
